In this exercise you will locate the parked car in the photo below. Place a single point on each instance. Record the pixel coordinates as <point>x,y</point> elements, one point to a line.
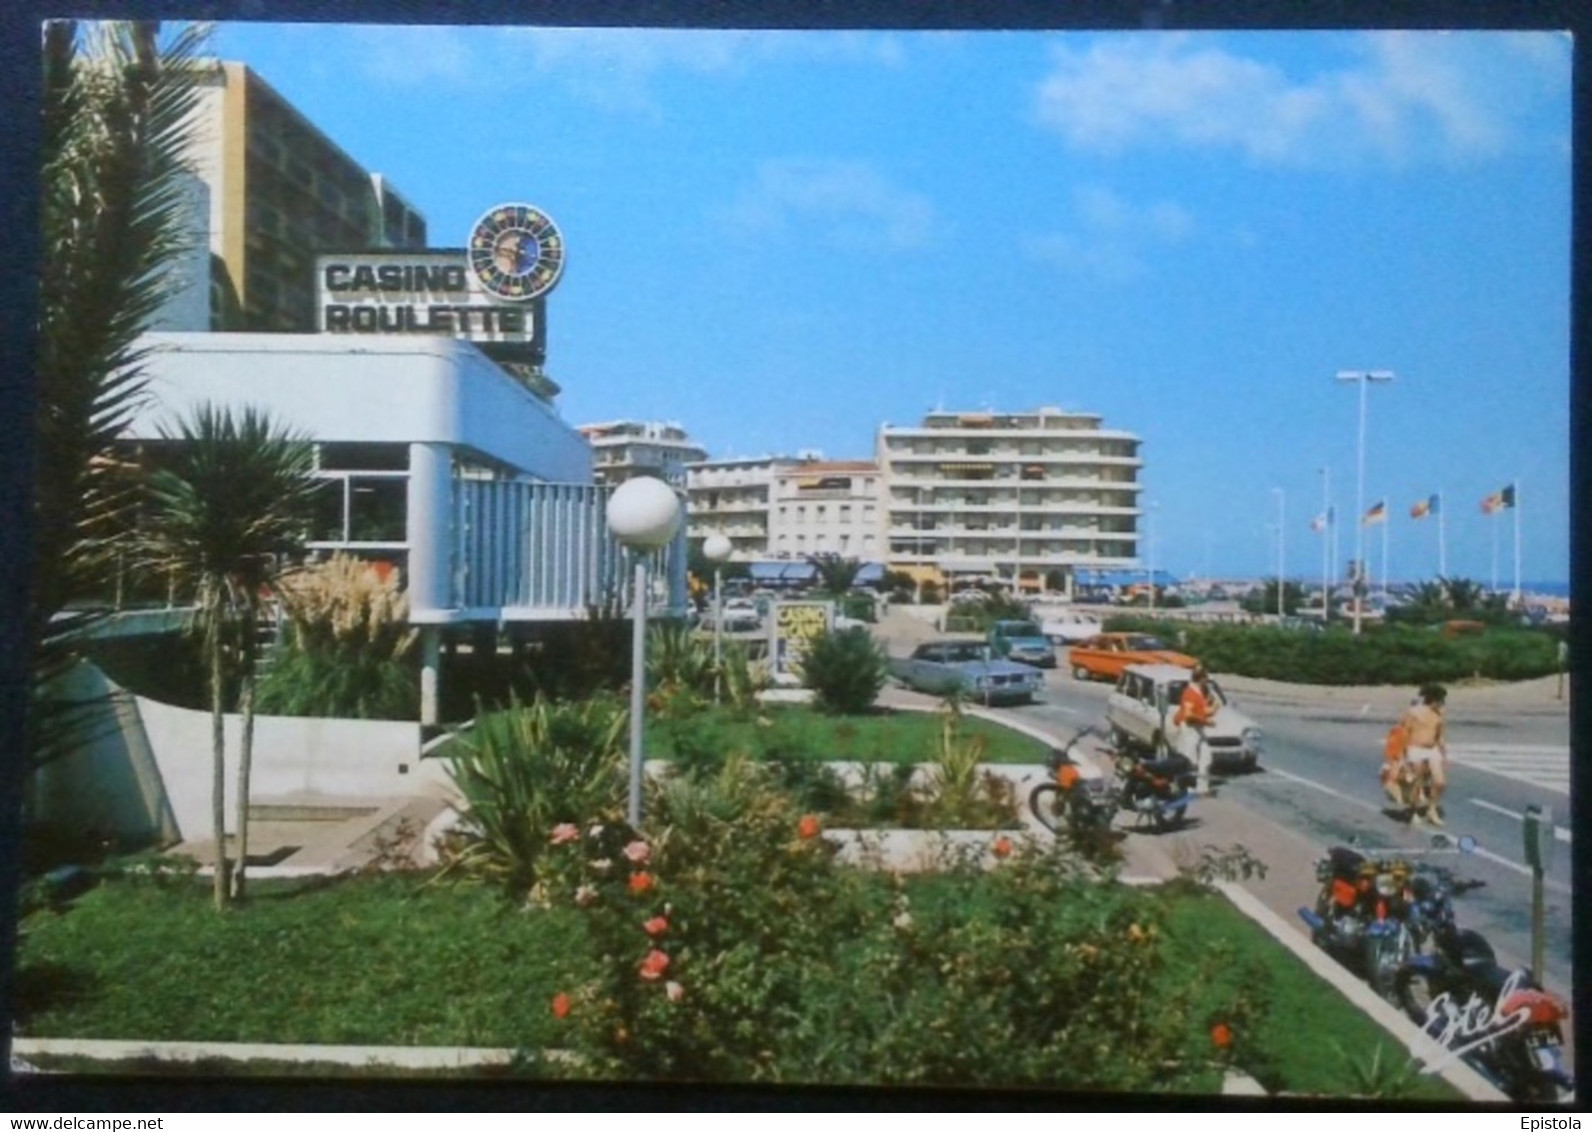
<point>1104,657</point>
<point>739,615</point>
<point>1140,710</point>
<point>943,666</point>
<point>1021,641</point>
<point>1070,626</point>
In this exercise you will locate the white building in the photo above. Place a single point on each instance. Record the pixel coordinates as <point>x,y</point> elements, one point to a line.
<point>434,459</point>
<point>730,497</point>
<point>623,449</point>
<point>1021,496</point>
<point>827,507</point>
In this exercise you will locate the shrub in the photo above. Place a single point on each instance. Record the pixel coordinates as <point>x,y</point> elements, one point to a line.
<point>347,645</point>
<point>729,945</point>
<point>846,670</point>
<point>1382,654</point>
<point>528,769</point>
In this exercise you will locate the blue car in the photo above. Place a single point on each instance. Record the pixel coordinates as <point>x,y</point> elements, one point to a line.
<point>941,667</point>
<point>1022,641</point>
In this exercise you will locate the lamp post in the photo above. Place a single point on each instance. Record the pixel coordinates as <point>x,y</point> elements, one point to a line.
<point>1282,536</point>
<point>1149,520</point>
<point>1364,377</point>
<point>643,514</point>
<point>716,548</point>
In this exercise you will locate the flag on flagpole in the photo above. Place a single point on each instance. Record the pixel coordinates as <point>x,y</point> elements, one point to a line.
<point>1319,523</point>
<point>1500,500</point>
<point>1425,507</point>
<point>1377,514</point>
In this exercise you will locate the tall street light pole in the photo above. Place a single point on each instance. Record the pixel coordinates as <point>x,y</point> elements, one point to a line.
<point>716,548</point>
<point>1149,520</point>
<point>643,513</point>
<point>1364,378</point>
<point>1282,535</point>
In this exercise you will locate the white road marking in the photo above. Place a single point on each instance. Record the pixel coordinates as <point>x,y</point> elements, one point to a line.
<point>1544,766</point>
<point>1559,831</point>
<point>1364,805</point>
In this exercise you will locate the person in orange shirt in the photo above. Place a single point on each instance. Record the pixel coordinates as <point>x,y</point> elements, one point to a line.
<point>1196,709</point>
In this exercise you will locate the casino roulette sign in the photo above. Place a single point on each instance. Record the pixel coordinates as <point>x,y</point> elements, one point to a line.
<point>516,252</point>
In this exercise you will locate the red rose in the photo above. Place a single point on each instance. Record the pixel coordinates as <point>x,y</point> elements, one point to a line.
<point>655,926</point>
<point>807,827</point>
<point>1222,1035</point>
<point>560,1005</point>
<point>1003,847</point>
<point>654,965</point>
<point>639,882</point>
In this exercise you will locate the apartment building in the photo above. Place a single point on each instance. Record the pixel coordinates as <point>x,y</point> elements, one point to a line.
<point>281,192</point>
<point>1026,497</point>
<point>827,507</point>
<point>730,497</point>
<point>624,449</point>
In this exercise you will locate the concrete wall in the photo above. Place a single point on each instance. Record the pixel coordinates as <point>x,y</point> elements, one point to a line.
<point>292,756</point>
<point>143,768</point>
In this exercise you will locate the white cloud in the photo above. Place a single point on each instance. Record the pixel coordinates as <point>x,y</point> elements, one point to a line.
<point>1110,238</point>
<point>848,203</point>
<point>1400,96</point>
<point>612,68</point>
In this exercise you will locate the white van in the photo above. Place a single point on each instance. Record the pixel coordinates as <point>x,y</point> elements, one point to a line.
<point>1140,709</point>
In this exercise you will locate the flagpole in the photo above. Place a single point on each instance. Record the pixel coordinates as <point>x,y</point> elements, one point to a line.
<point>1493,515</point>
<point>1442,552</point>
<point>1326,544</point>
<point>1386,523</point>
<point>1516,510</point>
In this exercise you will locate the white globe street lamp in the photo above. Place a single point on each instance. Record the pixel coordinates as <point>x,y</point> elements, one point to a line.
<point>716,548</point>
<point>643,514</point>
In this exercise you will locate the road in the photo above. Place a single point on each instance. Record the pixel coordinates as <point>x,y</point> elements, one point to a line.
<point>1318,781</point>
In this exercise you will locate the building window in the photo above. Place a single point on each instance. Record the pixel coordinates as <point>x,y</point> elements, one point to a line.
<point>376,509</point>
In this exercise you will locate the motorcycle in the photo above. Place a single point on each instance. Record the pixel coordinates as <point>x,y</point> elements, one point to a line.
<point>1153,790</point>
<point>1499,1021</point>
<point>1365,914</point>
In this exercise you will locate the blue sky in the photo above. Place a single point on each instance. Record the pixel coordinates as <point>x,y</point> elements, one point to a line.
<point>783,239</point>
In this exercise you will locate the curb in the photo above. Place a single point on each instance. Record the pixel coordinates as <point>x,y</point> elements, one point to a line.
<point>1470,1083</point>
<point>399,1057</point>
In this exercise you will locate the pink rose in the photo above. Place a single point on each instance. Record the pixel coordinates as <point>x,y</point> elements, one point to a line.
<point>565,832</point>
<point>674,990</point>
<point>638,852</point>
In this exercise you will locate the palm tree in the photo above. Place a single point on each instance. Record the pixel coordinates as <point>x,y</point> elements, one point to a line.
<point>836,575</point>
<point>229,504</point>
<point>1464,595</point>
<point>116,121</point>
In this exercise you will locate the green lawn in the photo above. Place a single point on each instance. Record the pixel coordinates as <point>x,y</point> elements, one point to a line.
<point>393,960</point>
<point>799,732</point>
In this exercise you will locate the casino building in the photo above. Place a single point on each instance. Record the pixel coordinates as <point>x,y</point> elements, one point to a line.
<point>432,455</point>
<point>416,372</point>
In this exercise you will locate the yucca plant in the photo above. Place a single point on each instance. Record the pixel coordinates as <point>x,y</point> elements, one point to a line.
<point>346,645</point>
<point>956,797</point>
<point>524,770</point>
<point>679,661</point>
<point>742,678</point>
<point>227,507</point>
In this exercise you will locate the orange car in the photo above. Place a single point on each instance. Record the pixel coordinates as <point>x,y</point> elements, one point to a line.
<point>1104,657</point>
